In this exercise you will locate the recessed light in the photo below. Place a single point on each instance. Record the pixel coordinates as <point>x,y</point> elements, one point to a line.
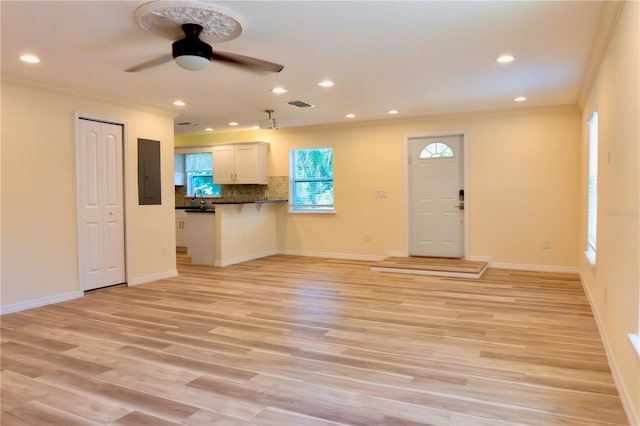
<point>179,103</point>
<point>208,129</point>
<point>520,99</point>
<point>505,59</point>
<point>279,90</point>
<point>393,111</point>
<point>31,59</point>
<point>256,127</point>
<point>326,83</point>
<point>233,123</point>
<point>350,115</point>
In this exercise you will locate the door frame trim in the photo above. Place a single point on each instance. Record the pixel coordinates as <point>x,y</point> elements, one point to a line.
<point>465,180</point>
<point>77,116</point>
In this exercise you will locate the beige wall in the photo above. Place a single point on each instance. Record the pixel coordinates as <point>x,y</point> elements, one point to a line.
<point>39,249</point>
<point>613,285</point>
<point>524,176</point>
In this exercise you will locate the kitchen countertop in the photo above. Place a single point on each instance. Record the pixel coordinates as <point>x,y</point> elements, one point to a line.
<point>192,209</point>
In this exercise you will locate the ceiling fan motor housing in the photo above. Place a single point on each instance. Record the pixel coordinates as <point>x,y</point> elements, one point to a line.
<point>191,45</point>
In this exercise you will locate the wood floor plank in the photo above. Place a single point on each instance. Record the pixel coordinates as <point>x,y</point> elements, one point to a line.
<point>289,340</point>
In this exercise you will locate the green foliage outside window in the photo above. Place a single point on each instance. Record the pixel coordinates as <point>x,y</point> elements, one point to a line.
<point>311,179</point>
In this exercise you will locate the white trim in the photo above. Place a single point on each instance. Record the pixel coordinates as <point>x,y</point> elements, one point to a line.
<point>480,259</point>
<point>590,254</point>
<point>246,258</point>
<point>635,342</point>
<point>43,301</point>
<point>346,256</point>
<point>153,277</point>
<point>397,254</point>
<point>632,416</point>
<point>465,180</point>
<point>535,268</point>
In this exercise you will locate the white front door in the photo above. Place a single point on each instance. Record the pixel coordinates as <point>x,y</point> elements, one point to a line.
<point>100,201</point>
<point>436,216</point>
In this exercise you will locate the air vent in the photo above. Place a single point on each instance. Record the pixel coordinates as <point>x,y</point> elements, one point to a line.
<point>300,104</point>
<point>187,123</point>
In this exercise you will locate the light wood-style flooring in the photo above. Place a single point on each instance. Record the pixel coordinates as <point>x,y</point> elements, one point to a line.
<point>288,340</point>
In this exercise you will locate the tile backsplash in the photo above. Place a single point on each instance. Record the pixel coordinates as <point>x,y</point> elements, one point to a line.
<point>276,189</point>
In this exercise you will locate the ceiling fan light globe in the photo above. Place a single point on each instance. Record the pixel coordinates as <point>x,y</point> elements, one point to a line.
<point>192,62</point>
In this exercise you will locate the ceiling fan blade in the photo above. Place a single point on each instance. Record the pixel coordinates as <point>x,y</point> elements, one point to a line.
<point>246,62</point>
<point>152,63</point>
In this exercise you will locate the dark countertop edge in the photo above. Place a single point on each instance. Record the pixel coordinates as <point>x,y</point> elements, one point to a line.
<point>233,202</point>
<point>199,211</point>
<point>251,202</point>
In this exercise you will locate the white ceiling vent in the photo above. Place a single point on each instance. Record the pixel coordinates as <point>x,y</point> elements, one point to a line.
<point>301,104</point>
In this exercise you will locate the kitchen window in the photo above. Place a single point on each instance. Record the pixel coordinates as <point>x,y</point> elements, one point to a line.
<point>199,175</point>
<point>311,179</point>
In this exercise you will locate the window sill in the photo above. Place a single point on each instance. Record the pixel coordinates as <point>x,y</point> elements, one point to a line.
<point>635,342</point>
<point>590,254</point>
<point>312,211</point>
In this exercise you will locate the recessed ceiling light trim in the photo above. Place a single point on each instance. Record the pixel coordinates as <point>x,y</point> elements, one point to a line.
<point>505,59</point>
<point>179,103</point>
<point>30,59</point>
<point>326,83</point>
<point>393,111</point>
<point>233,123</point>
<point>279,90</point>
<point>350,115</point>
<point>520,99</point>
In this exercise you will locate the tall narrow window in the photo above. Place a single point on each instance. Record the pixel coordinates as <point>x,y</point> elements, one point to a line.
<point>311,178</point>
<point>592,204</point>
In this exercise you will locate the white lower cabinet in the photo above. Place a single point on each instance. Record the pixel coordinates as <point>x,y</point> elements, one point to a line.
<point>181,228</point>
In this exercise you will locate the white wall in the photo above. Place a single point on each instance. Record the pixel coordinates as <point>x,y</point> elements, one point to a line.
<point>39,250</point>
<point>613,285</point>
<point>524,177</point>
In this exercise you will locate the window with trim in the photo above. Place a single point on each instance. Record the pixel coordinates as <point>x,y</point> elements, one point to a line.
<point>311,180</point>
<point>198,168</point>
<point>436,150</point>
<point>592,195</point>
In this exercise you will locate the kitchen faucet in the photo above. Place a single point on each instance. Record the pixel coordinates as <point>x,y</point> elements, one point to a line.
<point>202,200</point>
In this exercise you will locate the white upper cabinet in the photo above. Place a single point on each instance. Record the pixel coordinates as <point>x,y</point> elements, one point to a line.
<point>240,163</point>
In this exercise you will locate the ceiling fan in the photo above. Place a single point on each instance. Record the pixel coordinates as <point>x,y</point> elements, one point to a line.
<point>193,54</point>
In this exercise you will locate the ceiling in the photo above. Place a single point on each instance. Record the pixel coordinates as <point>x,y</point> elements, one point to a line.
<point>419,57</point>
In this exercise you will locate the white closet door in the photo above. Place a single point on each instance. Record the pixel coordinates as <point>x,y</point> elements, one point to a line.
<point>101,200</point>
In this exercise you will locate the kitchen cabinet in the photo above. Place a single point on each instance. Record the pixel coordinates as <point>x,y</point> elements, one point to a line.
<point>181,228</point>
<point>241,163</point>
<point>178,170</point>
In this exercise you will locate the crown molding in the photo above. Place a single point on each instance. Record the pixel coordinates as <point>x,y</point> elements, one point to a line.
<point>606,25</point>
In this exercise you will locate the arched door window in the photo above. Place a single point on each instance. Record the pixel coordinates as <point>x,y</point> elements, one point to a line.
<point>436,150</point>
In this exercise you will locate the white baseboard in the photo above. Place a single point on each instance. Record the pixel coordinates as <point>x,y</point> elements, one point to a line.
<point>632,416</point>
<point>153,277</point>
<point>535,268</point>
<point>397,254</point>
<point>36,303</point>
<point>241,259</point>
<point>345,256</point>
<point>480,259</point>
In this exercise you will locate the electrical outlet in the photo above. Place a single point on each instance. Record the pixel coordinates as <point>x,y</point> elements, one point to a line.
<point>165,250</point>
<point>546,244</point>
<point>367,236</point>
<point>380,193</point>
